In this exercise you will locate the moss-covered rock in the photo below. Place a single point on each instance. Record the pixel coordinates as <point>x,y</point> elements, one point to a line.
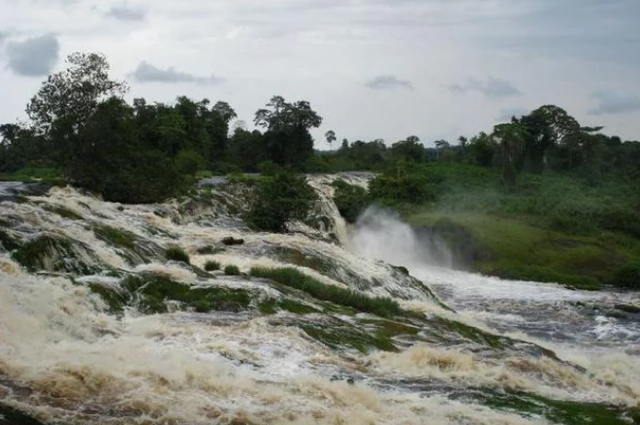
<point>54,253</point>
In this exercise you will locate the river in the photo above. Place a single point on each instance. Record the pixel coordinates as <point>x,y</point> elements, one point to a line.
<point>66,358</point>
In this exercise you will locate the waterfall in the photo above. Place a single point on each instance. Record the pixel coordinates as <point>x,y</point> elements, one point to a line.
<point>96,326</point>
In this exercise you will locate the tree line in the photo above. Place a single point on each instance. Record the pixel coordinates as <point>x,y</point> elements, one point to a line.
<point>80,124</point>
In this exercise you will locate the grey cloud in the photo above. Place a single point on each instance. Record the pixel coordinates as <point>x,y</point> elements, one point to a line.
<point>126,13</point>
<point>614,102</point>
<point>35,56</point>
<point>492,87</point>
<point>147,73</point>
<point>388,82</point>
<point>507,113</point>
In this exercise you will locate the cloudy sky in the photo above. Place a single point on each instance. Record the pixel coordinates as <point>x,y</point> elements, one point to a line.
<point>372,68</point>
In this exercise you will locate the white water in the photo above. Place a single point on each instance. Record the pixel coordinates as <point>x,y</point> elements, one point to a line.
<point>62,358</point>
<point>562,319</point>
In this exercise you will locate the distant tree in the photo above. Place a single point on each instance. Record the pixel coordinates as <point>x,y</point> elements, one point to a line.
<point>67,99</point>
<point>409,149</point>
<point>545,127</point>
<point>331,137</point>
<point>482,149</point>
<point>287,136</point>
<point>511,138</point>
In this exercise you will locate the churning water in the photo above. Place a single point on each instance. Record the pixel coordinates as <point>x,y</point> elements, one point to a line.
<point>66,358</point>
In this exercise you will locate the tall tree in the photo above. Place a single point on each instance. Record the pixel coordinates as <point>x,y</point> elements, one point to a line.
<point>287,137</point>
<point>331,137</point>
<point>545,127</point>
<point>67,99</point>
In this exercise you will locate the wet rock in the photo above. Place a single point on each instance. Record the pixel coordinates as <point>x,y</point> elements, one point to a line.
<point>231,241</point>
<point>10,191</point>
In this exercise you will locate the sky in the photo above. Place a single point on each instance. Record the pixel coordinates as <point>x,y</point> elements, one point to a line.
<point>373,69</point>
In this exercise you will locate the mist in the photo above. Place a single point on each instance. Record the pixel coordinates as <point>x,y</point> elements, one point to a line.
<point>381,234</point>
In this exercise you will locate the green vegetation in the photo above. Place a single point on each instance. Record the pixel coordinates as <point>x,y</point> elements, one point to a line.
<point>383,307</point>
<point>351,200</point>
<point>53,253</point>
<point>628,275</point>
<point>175,253</point>
<point>115,237</point>
<point>211,265</point>
<point>150,293</point>
<point>278,200</point>
<point>556,411</point>
<point>231,270</point>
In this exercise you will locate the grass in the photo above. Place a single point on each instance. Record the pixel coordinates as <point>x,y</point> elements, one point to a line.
<point>151,293</point>
<point>558,411</point>
<point>115,237</point>
<point>516,249</point>
<point>65,213</point>
<point>383,307</point>
<point>175,253</point>
<point>211,265</point>
<point>48,175</point>
<point>51,253</point>
<point>232,270</point>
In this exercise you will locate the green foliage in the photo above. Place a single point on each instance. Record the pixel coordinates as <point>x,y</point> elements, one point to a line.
<point>150,293</point>
<point>189,162</point>
<point>211,265</point>
<point>231,270</point>
<point>628,275</point>
<point>278,200</point>
<point>402,184</point>
<point>175,253</point>
<point>383,307</point>
<point>287,138</point>
<point>351,200</point>
<point>115,237</point>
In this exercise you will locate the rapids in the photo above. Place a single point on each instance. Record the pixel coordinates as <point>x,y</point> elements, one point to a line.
<point>470,349</point>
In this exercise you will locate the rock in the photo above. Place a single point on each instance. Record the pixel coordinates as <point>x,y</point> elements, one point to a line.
<point>230,241</point>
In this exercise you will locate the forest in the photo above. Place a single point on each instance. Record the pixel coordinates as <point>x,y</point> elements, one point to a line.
<point>566,191</point>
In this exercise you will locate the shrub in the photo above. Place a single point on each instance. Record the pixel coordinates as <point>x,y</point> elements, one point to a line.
<point>351,200</point>
<point>402,185</point>
<point>278,200</point>
<point>211,265</point>
<point>176,253</point>
<point>231,270</point>
<point>189,162</point>
<point>628,275</point>
<point>381,306</point>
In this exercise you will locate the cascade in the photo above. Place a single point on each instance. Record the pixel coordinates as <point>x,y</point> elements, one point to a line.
<point>97,326</point>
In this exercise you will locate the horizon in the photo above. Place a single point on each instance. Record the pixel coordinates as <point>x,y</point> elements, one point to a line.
<point>372,69</point>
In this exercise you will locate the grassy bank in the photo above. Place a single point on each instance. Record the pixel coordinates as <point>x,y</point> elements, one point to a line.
<point>550,228</point>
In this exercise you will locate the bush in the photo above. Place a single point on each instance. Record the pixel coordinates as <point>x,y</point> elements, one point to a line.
<point>628,276</point>
<point>278,200</point>
<point>211,265</point>
<point>351,200</point>
<point>231,270</point>
<point>176,253</point>
<point>402,184</point>
<point>383,307</point>
<point>189,162</point>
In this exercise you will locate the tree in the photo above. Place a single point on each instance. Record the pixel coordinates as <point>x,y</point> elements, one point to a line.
<point>409,149</point>
<point>331,137</point>
<point>288,140</point>
<point>67,99</point>
<point>511,138</point>
<point>545,127</point>
<point>278,200</point>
